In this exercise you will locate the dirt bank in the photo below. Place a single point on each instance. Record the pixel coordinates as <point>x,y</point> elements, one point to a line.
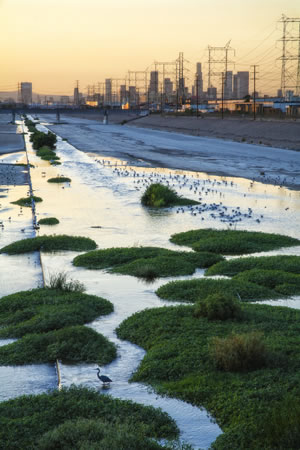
<point>276,133</point>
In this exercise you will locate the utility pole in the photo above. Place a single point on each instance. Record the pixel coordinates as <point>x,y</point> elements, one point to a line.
<point>254,91</point>
<point>290,57</point>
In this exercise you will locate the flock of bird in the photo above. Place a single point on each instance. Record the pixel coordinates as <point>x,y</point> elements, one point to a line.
<point>204,190</point>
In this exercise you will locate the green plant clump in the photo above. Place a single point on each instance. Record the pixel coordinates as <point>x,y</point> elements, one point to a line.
<point>48,221</point>
<point>178,363</point>
<point>40,139</point>
<point>49,244</point>
<point>220,306</point>
<point>70,345</point>
<point>232,242</point>
<point>285,263</point>
<point>80,418</point>
<point>27,201</point>
<point>198,289</point>
<point>47,154</point>
<point>59,180</point>
<point>159,196</point>
<point>42,310</point>
<point>284,283</point>
<point>146,262</point>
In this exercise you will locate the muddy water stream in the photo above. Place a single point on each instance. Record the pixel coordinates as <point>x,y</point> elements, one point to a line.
<point>103,202</point>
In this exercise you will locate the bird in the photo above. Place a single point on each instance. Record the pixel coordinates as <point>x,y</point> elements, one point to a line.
<point>105,380</point>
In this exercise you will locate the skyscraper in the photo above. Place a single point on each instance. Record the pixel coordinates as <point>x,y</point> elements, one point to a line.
<point>26,92</point>
<point>241,85</point>
<point>198,77</point>
<point>108,91</point>
<point>228,85</point>
<point>153,86</point>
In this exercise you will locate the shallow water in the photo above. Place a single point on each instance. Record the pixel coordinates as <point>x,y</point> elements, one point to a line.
<point>105,193</point>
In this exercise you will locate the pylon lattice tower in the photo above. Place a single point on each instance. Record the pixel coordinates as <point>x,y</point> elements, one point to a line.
<point>290,58</point>
<point>218,61</point>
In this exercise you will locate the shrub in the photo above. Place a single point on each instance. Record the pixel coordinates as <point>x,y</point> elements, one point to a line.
<point>159,196</point>
<point>239,352</point>
<point>59,180</point>
<point>49,244</point>
<point>218,307</point>
<point>232,242</point>
<point>48,221</point>
<point>39,139</point>
<point>27,201</point>
<point>47,154</point>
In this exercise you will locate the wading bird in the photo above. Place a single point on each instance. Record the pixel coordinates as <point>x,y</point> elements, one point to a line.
<point>105,380</point>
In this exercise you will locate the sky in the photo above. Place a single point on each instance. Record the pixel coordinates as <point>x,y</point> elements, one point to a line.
<point>52,43</point>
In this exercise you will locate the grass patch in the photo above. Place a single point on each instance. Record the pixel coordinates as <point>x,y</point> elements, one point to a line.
<point>178,364</point>
<point>26,201</point>
<point>59,280</point>
<point>70,345</point>
<point>285,263</point>
<point>42,310</point>
<point>159,196</point>
<point>232,242</point>
<point>146,262</point>
<point>48,221</point>
<point>69,419</point>
<point>284,283</point>
<point>59,180</point>
<point>195,290</point>
<point>50,244</point>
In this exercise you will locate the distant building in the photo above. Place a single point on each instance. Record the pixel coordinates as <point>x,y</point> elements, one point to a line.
<point>168,89</point>
<point>123,94</point>
<point>76,96</point>
<point>108,91</point>
<point>199,80</point>
<point>153,85</point>
<point>64,99</point>
<point>211,93</point>
<point>26,93</point>
<point>133,96</point>
<point>279,93</point>
<point>228,85</point>
<point>240,85</point>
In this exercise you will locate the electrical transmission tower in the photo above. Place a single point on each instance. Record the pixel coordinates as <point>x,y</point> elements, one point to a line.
<point>218,62</point>
<point>290,58</point>
<point>180,79</point>
<point>168,68</point>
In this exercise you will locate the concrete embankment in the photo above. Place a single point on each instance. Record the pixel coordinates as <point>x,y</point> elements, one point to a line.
<point>275,133</point>
<point>10,141</point>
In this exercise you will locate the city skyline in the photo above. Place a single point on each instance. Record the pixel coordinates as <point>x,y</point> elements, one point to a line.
<point>53,43</point>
